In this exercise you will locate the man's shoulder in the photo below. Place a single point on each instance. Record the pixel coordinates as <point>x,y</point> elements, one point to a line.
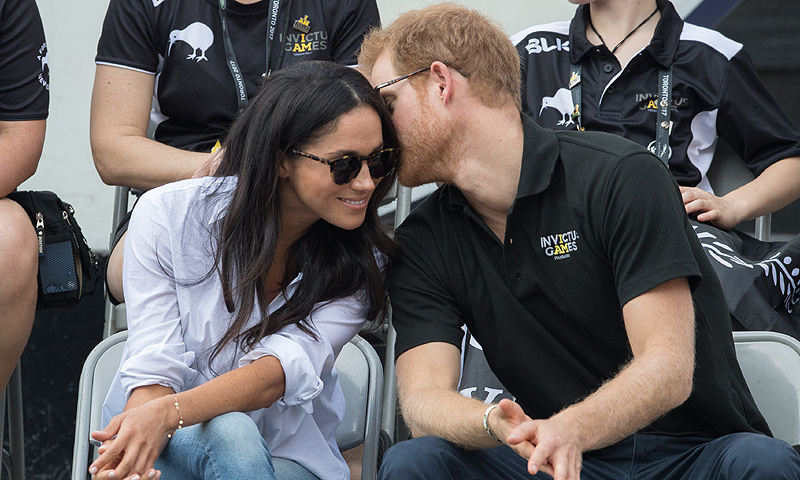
<point>432,220</point>
<point>586,145</point>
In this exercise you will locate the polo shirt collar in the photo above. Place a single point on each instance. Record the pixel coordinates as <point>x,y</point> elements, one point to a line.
<point>539,157</point>
<point>662,48</point>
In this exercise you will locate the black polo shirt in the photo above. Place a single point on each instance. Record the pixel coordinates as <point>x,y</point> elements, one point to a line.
<point>716,93</point>
<point>596,222</point>
<point>181,42</point>
<point>24,64</point>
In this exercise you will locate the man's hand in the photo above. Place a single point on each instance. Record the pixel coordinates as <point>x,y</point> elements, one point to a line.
<point>548,445</point>
<point>709,208</point>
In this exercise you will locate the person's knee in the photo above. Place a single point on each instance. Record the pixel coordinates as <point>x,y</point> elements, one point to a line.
<point>424,457</point>
<point>19,248</point>
<point>235,434</point>
<point>761,457</point>
<point>227,446</point>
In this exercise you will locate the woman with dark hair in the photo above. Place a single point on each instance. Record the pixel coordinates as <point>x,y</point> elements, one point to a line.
<point>242,288</point>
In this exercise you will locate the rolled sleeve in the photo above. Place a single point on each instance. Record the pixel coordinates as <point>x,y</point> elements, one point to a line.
<point>155,353</point>
<point>304,358</point>
<point>303,383</point>
<point>166,365</point>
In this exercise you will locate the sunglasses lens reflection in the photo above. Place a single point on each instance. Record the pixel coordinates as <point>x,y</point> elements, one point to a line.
<point>345,169</point>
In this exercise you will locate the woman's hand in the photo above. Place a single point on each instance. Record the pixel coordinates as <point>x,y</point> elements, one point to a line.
<point>133,440</point>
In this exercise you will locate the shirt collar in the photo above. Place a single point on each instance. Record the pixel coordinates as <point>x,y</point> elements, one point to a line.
<point>662,48</point>
<point>539,158</point>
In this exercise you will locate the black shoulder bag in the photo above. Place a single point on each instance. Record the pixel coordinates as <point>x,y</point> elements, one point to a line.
<point>67,266</point>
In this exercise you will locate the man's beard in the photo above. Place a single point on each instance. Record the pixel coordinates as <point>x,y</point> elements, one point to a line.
<point>429,148</point>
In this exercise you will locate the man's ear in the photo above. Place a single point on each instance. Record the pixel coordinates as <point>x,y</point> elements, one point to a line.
<point>444,81</point>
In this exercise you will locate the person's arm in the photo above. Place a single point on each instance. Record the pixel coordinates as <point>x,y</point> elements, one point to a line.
<point>660,328</point>
<point>21,143</point>
<point>150,414</point>
<point>427,377</point>
<point>776,187</point>
<point>120,114</point>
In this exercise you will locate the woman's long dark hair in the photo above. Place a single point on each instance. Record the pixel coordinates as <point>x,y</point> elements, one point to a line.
<point>295,106</point>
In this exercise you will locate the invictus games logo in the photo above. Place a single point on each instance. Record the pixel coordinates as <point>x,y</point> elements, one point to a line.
<point>560,245</point>
<point>305,41</point>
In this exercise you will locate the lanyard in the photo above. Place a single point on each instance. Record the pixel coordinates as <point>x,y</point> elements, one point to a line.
<point>664,108</point>
<point>230,54</point>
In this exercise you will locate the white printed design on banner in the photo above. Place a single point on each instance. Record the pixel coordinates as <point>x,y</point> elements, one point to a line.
<point>775,268</point>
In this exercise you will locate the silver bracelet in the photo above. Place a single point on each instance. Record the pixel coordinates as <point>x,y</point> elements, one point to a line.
<point>486,421</point>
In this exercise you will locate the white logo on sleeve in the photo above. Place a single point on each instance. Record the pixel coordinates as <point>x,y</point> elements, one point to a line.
<point>561,101</point>
<point>197,35</point>
<point>43,57</point>
<point>158,2</point>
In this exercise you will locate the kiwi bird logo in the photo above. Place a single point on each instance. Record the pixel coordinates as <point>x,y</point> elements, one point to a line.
<point>197,35</point>
<point>45,61</point>
<point>561,101</point>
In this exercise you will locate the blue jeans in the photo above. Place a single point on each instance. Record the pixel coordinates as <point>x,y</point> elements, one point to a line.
<point>227,447</point>
<point>642,457</point>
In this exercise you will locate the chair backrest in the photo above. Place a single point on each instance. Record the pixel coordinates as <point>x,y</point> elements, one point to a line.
<point>770,362</point>
<point>361,378</point>
<point>360,375</point>
<point>95,380</point>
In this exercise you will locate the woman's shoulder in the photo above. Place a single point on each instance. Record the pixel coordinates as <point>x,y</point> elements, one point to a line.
<point>195,194</point>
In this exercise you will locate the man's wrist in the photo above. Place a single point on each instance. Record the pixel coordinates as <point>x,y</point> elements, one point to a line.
<point>486,426</point>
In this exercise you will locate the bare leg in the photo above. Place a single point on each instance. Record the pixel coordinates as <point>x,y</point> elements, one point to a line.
<point>19,257</point>
<point>114,274</point>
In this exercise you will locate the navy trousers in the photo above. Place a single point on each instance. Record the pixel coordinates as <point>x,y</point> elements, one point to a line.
<point>639,457</point>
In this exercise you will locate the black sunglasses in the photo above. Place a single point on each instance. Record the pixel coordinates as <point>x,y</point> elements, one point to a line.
<point>345,168</point>
<point>419,70</point>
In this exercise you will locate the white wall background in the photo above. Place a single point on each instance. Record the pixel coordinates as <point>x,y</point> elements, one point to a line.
<point>72,30</point>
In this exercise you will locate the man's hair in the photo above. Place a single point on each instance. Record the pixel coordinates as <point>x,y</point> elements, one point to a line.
<point>450,33</point>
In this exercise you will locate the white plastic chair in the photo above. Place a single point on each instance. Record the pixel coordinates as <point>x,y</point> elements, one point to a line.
<point>359,371</point>
<point>115,314</point>
<point>770,362</point>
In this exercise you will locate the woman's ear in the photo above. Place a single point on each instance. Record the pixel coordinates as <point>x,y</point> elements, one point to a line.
<point>285,166</point>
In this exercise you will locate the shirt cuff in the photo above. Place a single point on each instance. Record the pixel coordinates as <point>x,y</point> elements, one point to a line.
<point>157,365</point>
<point>302,384</point>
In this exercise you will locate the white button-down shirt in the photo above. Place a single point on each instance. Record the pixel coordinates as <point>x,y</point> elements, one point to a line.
<point>176,314</point>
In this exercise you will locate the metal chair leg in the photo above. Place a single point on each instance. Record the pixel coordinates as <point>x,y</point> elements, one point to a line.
<point>14,459</point>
